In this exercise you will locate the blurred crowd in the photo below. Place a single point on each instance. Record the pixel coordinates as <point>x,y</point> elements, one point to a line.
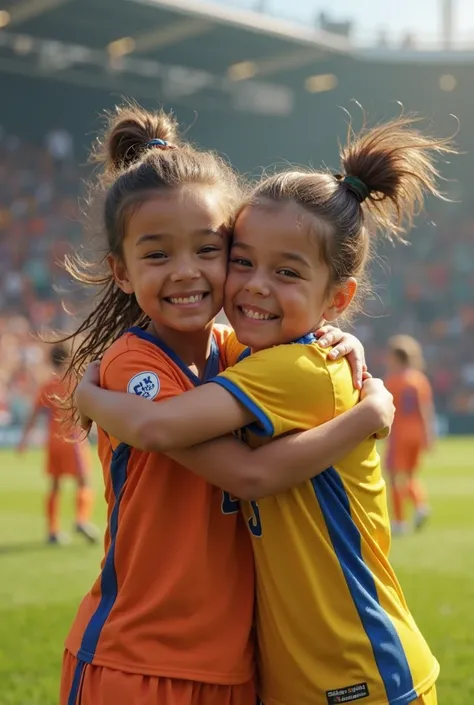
<point>424,289</point>
<point>39,224</point>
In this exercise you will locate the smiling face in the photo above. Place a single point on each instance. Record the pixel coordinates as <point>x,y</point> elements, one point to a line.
<point>175,257</point>
<point>278,287</point>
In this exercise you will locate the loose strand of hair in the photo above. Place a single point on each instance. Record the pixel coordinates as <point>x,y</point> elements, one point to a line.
<point>114,313</point>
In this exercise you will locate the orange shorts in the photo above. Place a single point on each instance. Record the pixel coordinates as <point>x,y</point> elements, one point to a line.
<point>68,459</point>
<point>404,455</point>
<point>84,684</point>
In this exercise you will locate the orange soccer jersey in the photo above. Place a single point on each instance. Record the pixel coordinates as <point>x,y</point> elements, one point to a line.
<point>176,591</point>
<point>66,454</point>
<point>411,391</point>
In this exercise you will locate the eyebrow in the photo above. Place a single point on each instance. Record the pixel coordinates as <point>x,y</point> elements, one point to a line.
<point>157,237</point>
<point>292,256</point>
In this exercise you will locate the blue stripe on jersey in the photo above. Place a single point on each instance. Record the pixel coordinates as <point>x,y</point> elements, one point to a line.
<point>266,427</point>
<point>346,540</point>
<point>306,339</point>
<point>109,586</point>
<point>76,683</point>
<point>245,353</point>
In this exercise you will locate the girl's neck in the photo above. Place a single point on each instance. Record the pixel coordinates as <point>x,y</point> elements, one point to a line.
<point>192,348</point>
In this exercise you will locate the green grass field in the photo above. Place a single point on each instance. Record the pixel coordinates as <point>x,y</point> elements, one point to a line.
<point>40,586</point>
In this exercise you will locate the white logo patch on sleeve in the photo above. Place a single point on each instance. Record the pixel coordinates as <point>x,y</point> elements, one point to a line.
<point>144,384</point>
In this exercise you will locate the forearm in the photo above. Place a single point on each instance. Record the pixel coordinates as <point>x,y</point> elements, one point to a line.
<point>171,423</point>
<point>224,462</point>
<point>294,459</point>
<point>283,463</point>
<point>109,412</point>
<point>428,415</point>
<point>27,428</point>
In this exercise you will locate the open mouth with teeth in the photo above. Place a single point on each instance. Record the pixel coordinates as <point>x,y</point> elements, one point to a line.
<point>186,300</point>
<point>256,315</point>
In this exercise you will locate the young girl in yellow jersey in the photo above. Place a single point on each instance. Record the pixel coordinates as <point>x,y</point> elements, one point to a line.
<point>332,622</point>
<point>169,619</point>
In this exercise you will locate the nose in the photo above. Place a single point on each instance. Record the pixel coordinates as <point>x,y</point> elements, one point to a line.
<point>257,284</point>
<point>185,270</point>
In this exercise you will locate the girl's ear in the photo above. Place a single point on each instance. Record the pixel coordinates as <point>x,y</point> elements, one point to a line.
<point>340,299</point>
<point>120,274</point>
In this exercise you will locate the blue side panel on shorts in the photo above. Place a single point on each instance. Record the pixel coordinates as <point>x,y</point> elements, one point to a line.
<point>76,683</point>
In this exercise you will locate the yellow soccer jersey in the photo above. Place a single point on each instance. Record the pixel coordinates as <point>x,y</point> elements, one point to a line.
<point>333,624</point>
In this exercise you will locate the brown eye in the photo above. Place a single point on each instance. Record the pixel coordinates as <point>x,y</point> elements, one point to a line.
<point>156,255</point>
<point>241,261</point>
<point>288,273</point>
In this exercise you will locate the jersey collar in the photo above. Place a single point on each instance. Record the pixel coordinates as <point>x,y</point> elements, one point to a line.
<point>304,340</point>
<point>212,364</point>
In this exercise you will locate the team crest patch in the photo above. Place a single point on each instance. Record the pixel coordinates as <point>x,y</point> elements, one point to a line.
<point>145,384</point>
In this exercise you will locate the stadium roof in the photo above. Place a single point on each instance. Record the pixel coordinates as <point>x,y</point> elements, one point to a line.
<point>176,50</point>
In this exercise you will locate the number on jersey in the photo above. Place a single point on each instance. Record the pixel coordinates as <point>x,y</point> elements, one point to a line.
<point>231,505</point>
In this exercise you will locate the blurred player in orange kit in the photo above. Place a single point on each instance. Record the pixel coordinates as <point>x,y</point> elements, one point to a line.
<point>413,428</point>
<point>66,454</point>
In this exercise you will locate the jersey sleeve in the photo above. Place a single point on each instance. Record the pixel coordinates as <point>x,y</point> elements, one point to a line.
<point>287,388</point>
<point>138,370</point>
<point>232,349</point>
<point>221,333</point>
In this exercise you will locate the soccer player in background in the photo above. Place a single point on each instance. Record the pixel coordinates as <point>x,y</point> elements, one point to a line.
<point>413,429</point>
<point>66,454</point>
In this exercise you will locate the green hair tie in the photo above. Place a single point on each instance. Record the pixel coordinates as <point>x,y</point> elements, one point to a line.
<point>357,187</point>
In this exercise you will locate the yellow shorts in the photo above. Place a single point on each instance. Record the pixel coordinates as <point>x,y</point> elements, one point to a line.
<point>429,698</point>
<point>85,684</point>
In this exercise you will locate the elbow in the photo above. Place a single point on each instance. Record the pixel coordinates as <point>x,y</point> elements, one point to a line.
<point>149,438</point>
<point>253,486</point>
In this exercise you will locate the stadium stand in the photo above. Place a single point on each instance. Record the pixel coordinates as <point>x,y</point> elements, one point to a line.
<point>38,223</point>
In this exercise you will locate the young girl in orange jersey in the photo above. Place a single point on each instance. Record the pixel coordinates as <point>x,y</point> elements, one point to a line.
<point>169,620</point>
<point>413,429</point>
<point>65,455</point>
<point>332,623</point>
